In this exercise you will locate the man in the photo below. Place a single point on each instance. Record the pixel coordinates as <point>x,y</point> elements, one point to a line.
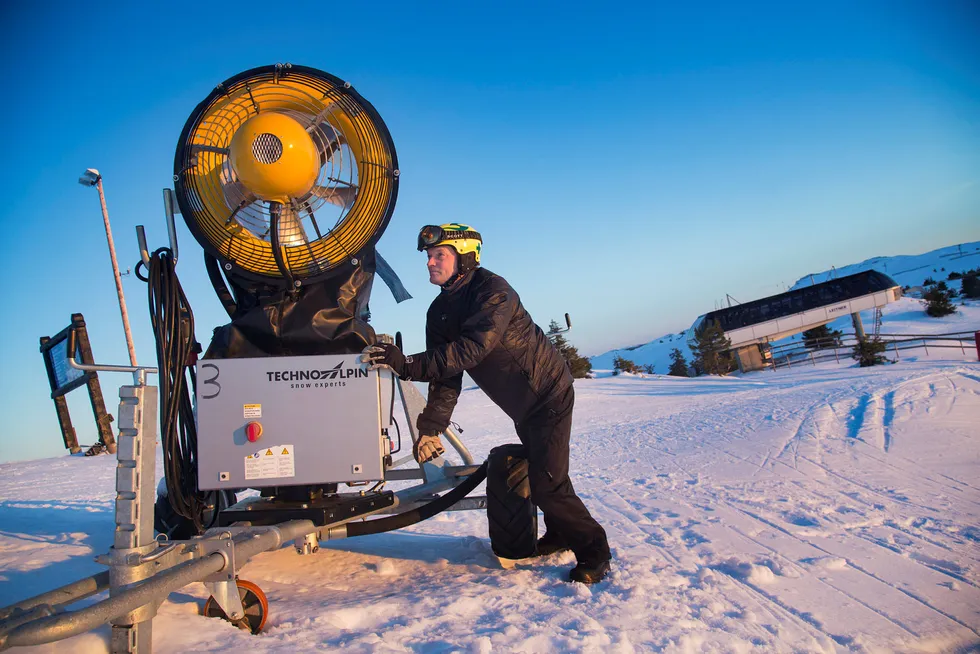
<point>477,324</point>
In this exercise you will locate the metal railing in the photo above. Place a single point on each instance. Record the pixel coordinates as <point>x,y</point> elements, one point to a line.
<point>842,347</point>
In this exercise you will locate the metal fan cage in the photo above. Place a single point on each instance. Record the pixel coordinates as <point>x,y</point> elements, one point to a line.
<point>321,233</point>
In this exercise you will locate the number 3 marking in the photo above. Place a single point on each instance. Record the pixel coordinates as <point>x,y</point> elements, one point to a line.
<point>212,381</point>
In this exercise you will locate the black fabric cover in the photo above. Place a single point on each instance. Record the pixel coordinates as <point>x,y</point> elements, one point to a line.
<point>328,317</point>
<point>479,325</point>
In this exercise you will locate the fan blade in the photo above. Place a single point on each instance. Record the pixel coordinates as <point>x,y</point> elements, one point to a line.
<point>291,232</point>
<point>328,138</point>
<point>328,148</point>
<point>236,194</point>
<point>341,196</point>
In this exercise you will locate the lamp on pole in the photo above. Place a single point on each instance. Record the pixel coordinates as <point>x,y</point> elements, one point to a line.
<point>91,177</point>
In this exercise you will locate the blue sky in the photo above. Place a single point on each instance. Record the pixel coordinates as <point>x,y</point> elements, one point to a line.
<point>628,164</point>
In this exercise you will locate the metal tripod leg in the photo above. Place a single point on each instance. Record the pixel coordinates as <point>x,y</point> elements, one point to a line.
<point>413,402</point>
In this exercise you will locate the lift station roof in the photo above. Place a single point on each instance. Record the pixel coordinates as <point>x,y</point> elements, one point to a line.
<point>779,316</point>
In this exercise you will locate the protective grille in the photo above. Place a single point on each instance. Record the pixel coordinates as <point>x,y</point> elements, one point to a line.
<point>267,148</point>
<point>320,233</point>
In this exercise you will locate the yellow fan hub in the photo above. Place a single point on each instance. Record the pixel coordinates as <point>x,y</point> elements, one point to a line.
<point>274,157</point>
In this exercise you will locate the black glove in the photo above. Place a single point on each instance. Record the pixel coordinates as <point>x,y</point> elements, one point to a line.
<point>385,355</point>
<point>427,447</point>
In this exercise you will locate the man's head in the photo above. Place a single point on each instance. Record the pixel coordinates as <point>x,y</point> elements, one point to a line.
<point>452,249</point>
<point>443,264</point>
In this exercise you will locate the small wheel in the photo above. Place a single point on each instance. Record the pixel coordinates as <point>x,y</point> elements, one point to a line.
<point>254,602</point>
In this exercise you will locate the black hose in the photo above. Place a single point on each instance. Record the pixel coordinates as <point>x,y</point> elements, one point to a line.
<point>423,512</point>
<point>173,330</point>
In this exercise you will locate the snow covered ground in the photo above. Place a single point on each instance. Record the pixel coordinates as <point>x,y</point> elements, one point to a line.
<point>818,509</point>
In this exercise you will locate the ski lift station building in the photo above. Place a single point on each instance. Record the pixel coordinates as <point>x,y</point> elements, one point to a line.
<point>751,325</point>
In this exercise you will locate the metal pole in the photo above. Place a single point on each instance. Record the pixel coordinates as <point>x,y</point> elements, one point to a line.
<point>858,326</point>
<point>155,590</point>
<point>135,492</point>
<point>65,595</point>
<point>115,273</point>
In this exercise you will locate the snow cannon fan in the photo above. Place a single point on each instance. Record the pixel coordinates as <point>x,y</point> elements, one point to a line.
<point>287,177</point>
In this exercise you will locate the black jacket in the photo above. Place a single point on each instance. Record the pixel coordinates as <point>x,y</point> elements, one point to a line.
<point>479,325</point>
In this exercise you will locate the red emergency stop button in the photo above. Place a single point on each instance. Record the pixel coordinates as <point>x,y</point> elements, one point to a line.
<point>253,431</point>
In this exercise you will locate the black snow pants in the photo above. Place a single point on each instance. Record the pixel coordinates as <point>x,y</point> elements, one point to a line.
<point>545,434</point>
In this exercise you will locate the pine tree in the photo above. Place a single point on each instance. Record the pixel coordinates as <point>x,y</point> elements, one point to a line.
<point>870,352</point>
<point>678,364</point>
<point>624,365</point>
<point>712,351</point>
<point>579,365</point>
<point>939,302</point>
<point>821,337</point>
<point>971,285</point>
<point>648,369</point>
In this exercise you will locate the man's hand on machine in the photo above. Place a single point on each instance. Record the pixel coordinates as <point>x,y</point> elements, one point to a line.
<point>428,447</point>
<point>385,355</point>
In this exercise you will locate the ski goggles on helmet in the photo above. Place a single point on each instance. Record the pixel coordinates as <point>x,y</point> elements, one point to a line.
<point>432,235</point>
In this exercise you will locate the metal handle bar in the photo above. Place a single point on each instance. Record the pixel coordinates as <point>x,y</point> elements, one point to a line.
<point>170,208</point>
<point>139,372</point>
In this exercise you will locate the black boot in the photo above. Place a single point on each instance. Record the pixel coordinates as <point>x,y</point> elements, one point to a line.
<point>551,543</point>
<point>589,573</point>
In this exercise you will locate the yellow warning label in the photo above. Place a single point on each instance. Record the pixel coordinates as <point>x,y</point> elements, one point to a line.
<point>276,461</point>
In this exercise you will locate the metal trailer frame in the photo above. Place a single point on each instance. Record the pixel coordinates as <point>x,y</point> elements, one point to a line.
<point>143,571</point>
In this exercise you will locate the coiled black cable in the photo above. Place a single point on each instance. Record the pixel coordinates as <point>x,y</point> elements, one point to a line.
<point>173,330</point>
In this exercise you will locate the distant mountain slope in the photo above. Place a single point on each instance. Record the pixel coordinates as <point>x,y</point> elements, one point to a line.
<point>907,270</point>
<point>656,352</point>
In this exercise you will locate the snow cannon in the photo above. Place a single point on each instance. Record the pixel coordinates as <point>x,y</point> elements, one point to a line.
<point>287,177</point>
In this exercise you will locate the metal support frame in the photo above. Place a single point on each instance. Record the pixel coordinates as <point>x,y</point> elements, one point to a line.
<point>135,492</point>
<point>413,403</point>
<point>221,584</point>
<point>143,571</point>
<point>308,544</point>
